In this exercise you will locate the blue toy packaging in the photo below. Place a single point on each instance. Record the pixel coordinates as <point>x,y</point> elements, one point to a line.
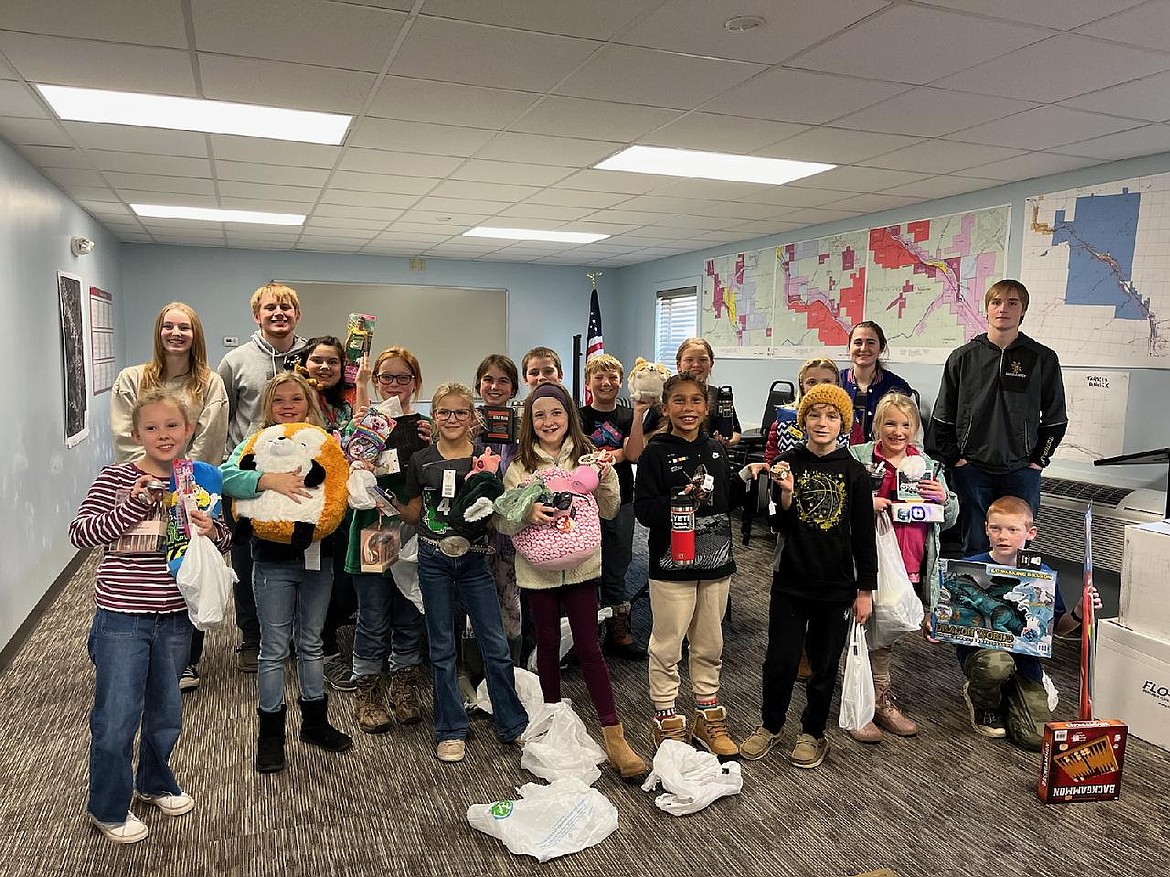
<point>990,606</point>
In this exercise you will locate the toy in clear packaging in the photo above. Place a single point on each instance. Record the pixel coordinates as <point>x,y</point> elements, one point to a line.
<point>990,606</point>
<point>359,340</point>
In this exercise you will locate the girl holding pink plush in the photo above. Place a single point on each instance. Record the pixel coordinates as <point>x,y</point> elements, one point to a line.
<point>551,438</point>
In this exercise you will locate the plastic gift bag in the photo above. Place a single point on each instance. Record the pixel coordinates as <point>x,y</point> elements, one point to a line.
<point>548,821</point>
<point>527,689</point>
<point>557,746</point>
<point>857,697</point>
<point>205,582</point>
<point>691,779</point>
<point>405,571</point>
<point>896,608</point>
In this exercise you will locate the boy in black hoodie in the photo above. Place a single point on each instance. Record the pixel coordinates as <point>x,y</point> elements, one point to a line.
<point>687,596</point>
<point>823,506</point>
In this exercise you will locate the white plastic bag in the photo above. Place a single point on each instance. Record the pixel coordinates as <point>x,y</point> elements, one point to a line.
<point>548,821</point>
<point>205,581</point>
<point>405,573</point>
<point>896,608</point>
<point>359,486</point>
<point>691,779</point>
<point>556,745</point>
<point>857,697</point>
<point>527,689</point>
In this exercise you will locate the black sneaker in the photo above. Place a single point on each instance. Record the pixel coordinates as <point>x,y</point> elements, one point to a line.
<point>339,673</point>
<point>248,657</point>
<point>988,722</point>
<point>189,681</point>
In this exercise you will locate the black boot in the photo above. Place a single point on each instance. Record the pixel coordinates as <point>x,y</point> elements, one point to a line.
<point>315,727</point>
<point>270,741</point>
<point>619,639</point>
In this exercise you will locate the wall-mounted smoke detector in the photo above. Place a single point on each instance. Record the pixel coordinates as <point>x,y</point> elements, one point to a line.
<point>741,23</point>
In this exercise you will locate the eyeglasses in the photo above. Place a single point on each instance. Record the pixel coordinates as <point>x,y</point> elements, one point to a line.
<point>401,380</point>
<point>458,414</point>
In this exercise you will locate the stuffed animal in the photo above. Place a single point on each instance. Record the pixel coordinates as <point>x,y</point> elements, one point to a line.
<point>472,508</point>
<point>294,447</point>
<point>646,380</point>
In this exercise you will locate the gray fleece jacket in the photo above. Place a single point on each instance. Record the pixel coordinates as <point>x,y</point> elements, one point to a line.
<point>245,371</point>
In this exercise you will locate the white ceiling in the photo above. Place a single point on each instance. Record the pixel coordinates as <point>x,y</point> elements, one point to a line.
<point>493,111</point>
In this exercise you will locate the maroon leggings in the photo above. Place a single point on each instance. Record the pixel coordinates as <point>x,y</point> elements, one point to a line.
<point>580,604</point>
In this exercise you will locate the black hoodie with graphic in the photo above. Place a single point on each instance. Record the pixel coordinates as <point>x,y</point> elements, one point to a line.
<point>830,551</point>
<point>666,466</point>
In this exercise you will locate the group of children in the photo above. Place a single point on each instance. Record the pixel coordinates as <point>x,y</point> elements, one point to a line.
<point>824,502</point>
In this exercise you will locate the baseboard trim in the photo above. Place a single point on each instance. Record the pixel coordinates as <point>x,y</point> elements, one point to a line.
<point>14,645</point>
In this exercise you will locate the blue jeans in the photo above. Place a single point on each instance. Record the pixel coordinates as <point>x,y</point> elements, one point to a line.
<point>617,550</point>
<point>138,658</point>
<point>440,578</point>
<point>387,623</point>
<point>977,489</point>
<point>290,601</point>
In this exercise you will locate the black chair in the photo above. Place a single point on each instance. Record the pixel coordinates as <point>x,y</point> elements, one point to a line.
<point>751,450</point>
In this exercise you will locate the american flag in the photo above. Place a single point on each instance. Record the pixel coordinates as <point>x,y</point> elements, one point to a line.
<point>594,343</point>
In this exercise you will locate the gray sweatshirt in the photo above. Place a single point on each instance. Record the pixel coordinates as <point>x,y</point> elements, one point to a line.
<point>245,371</point>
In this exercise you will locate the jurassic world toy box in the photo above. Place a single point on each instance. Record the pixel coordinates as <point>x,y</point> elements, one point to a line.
<point>1082,761</point>
<point>989,606</point>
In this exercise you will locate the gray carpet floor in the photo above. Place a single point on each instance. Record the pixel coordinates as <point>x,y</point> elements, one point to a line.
<point>945,803</point>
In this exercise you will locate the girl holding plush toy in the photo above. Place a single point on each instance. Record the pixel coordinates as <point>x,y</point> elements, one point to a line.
<point>292,581</point>
<point>552,449</point>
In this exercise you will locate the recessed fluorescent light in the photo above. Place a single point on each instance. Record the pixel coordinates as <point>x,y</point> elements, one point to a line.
<point>192,114</point>
<point>211,214</point>
<point>710,165</point>
<point>535,234</point>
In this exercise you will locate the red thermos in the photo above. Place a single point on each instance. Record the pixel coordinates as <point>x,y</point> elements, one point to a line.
<point>682,529</point>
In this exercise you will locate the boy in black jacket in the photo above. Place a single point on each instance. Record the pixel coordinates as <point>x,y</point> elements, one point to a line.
<point>687,596</point>
<point>827,572</point>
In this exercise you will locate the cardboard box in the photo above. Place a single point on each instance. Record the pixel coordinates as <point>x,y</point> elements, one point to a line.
<point>1082,761</point>
<point>1145,570</point>
<point>989,606</point>
<point>917,513</point>
<point>1131,681</point>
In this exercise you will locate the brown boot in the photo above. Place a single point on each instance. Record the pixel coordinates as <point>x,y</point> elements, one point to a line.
<point>887,715</point>
<point>625,760</point>
<point>869,733</point>
<point>804,670</point>
<point>619,640</point>
<point>371,716</point>
<point>405,703</point>
<point>671,728</point>
<point>711,732</point>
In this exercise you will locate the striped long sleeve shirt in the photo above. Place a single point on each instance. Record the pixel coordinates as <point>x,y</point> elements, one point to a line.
<point>127,582</point>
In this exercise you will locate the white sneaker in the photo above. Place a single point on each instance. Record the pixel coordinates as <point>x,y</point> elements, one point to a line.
<point>128,832</point>
<point>172,805</point>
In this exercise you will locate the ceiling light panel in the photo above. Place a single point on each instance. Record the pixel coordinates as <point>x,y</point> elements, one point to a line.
<point>710,165</point>
<point>209,214</point>
<point>534,234</point>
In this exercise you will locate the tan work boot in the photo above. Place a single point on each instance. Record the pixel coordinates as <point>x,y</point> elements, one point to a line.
<point>887,715</point>
<point>625,760</point>
<point>671,728</point>
<point>405,703</point>
<point>371,716</point>
<point>711,731</point>
<point>868,733</point>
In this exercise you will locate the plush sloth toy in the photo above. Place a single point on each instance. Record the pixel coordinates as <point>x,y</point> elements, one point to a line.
<point>317,456</point>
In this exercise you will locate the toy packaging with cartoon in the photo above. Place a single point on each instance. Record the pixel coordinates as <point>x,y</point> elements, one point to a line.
<point>359,340</point>
<point>989,606</point>
<point>194,484</point>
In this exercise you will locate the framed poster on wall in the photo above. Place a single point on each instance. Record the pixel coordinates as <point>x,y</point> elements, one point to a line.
<point>101,339</point>
<point>74,378</point>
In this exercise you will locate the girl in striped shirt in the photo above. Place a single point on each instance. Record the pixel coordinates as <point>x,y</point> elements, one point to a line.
<point>141,635</point>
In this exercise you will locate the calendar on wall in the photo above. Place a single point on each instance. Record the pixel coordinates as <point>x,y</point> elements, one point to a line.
<point>101,333</point>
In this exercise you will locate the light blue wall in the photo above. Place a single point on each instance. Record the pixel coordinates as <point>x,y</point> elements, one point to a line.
<point>41,481</point>
<point>546,305</point>
<point>628,308</point>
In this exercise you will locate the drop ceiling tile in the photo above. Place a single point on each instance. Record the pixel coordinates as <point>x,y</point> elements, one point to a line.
<point>281,84</point>
<point>167,165</point>
<point>790,196</point>
<point>383,200</point>
<point>696,27</point>
<point>859,179</point>
<point>159,183</point>
<point>339,35</point>
<point>380,161</point>
<point>1146,24</point>
<point>1127,144</point>
<point>716,133</point>
<point>108,210</point>
<point>1058,68</point>
<point>875,203</point>
<point>746,211</point>
<point>56,156</point>
<point>400,185</point>
<point>147,141</point>
<point>89,64</point>
<point>265,205</point>
<point>942,156</point>
<point>591,119</point>
<point>563,197</point>
<point>609,228</point>
<point>452,227</point>
<point>689,223</point>
<point>1143,99</point>
<point>598,19</point>
<point>809,216</point>
<point>272,174</point>
<point>350,210</point>
<point>625,74</point>
<point>263,192</point>
<point>339,225</point>
<point>837,145</point>
<point>406,237</point>
<point>483,191</point>
<point>1027,167</point>
<point>508,172</point>
<point>662,204</point>
<point>761,227</point>
<point>70,177</point>
<point>456,51</point>
<point>624,216</point>
<point>942,187</point>
<point>918,45</point>
<point>264,151</point>
<point>612,182</point>
<point>95,194</point>
<point>170,199</point>
<point>543,149</point>
<point>447,103</point>
<point>460,205</point>
<point>1059,14</point>
<point>18,99</point>
<point>550,212</point>
<point>800,96</point>
<point>716,190</point>
<point>1043,128</point>
<point>420,137</point>
<point>529,222</point>
<point>661,233</point>
<point>144,22</point>
<point>33,132</point>
<point>931,112</point>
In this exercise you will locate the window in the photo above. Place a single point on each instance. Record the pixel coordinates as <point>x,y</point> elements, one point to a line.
<point>676,318</point>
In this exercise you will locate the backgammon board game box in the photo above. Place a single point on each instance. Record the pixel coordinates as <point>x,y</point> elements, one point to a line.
<point>1082,761</point>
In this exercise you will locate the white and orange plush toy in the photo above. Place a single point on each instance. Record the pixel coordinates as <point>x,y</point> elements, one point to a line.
<point>295,447</point>
<point>646,380</point>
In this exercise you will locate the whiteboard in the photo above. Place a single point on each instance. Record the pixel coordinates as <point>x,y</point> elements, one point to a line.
<point>450,329</point>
